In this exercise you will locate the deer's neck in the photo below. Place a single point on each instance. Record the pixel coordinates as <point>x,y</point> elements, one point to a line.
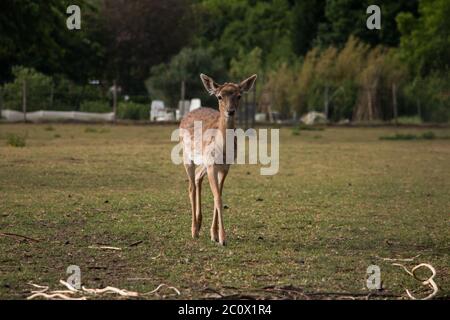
<point>225,123</point>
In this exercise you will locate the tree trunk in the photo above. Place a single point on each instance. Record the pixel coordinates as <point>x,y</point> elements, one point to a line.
<point>52,89</point>
<point>326,102</point>
<point>183,90</point>
<point>369,104</point>
<point>394,102</point>
<point>24,100</point>
<point>115,100</point>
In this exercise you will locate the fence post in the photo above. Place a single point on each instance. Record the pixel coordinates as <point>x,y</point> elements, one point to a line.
<point>419,109</point>
<point>52,92</point>
<point>1,101</point>
<point>326,102</point>
<point>246,111</point>
<point>183,90</point>
<point>115,100</point>
<point>254,105</point>
<point>394,102</point>
<point>24,100</point>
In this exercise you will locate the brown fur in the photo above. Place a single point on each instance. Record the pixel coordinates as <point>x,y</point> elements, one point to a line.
<point>228,96</point>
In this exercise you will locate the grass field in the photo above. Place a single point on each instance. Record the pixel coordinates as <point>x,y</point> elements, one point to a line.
<point>342,200</point>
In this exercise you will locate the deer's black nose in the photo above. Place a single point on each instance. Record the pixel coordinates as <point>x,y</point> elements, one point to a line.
<point>231,113</point>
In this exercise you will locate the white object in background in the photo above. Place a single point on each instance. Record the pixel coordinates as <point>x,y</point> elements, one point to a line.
<point>313,117</point>
<point>166,115</point>
<point>195,104</point>
<point>260,117</point>
<point>45,115</point>
<point>12,115</point>
<point>156,110</point>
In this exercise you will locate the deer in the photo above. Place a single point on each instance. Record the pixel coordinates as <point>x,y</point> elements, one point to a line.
<point>228,96</point>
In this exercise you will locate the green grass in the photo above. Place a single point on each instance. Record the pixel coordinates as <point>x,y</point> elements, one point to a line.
<point>409,120</point>
<point>427,135</point>
<point>15,140</point>
<point>337,204</point>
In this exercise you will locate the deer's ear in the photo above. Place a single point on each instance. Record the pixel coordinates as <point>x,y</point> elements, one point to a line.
<point>209,84</point>
<point>247,84</point>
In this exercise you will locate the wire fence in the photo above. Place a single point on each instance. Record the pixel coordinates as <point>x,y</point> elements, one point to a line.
<point>35,100</point>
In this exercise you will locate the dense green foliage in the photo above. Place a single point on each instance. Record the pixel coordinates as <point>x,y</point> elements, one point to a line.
<point>133,111</point>
<point>165,80</point>
<point>309,55</point>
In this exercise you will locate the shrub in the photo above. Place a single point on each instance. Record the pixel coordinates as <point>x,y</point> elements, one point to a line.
<point>98,106</point>
<point>400,136</point>
<point>15,140</point>
<point>38,90</point>
<point>429,135</point>
<point>133,111</point>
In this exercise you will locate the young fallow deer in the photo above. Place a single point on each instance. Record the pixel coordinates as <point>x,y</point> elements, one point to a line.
<point>228,96</point>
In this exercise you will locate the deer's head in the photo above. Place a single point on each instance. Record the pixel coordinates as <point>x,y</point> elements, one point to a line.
<point>228,94</point>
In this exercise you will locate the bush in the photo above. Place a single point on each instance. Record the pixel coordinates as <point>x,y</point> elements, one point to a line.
<point>429,135</point>
<point>47,93</point>
<point>98,106</point>
<point>38,90</point>
<point>400,136</point>
<point>15,140</point>
<point>133,111</point>
<point>431,96</point>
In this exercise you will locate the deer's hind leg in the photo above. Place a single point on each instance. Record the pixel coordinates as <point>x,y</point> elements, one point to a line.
<point>221,175</point>
<point>190,170</point>
<point>199,174</point>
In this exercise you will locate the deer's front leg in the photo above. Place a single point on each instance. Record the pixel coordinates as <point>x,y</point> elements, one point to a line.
<point>190,170</point>
<point>217,226</point>
<point>199,174</point>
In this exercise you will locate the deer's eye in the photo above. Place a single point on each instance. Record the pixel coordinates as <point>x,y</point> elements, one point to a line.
<point>219,97</point>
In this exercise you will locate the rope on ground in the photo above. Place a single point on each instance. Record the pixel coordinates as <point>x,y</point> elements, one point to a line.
<point>426,282</point>
<point>161,286</point>
<point>71,291</point>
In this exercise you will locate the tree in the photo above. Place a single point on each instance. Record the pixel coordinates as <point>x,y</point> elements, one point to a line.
<point>307,16</point>
<point>34,34</point>
<point>246,64</point>
<point>425,42</point>
<point>348,17</point>
<point>144,33</point>
<point>233,26</point>
<point>165,79</point>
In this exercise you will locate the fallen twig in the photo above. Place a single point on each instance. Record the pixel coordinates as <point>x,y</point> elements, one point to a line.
<point>136,243</point>
<point>67,294</point>
<point>105,248</point>
<point>108,289</point>
<point>395,259</point>
<point>15,235</point>
<point>161,286</point>
<point>68,286</point>
<point>53,296</point>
